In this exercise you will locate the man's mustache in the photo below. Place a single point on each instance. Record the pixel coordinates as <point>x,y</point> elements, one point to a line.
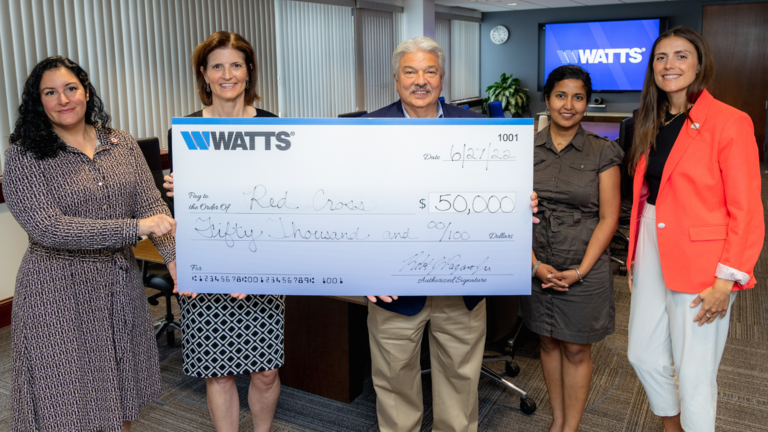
<point>421,88</point>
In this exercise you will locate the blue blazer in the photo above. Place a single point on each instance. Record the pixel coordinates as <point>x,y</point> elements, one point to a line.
<point>411,305</point>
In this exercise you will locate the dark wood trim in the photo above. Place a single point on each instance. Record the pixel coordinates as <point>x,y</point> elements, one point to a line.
<point>472,102</point>
<point>2,198</point>
<point>5,312</point>
<point>164,159</point>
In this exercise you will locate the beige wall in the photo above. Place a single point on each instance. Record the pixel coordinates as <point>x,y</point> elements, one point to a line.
<point>13,243</point>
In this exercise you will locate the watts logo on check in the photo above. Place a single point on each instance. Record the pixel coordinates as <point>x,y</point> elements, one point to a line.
<point>241,140</point>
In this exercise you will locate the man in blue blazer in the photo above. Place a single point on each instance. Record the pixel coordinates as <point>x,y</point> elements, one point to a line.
<point>396,325</point>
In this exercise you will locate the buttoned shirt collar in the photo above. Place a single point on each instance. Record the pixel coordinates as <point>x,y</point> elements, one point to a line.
<point>439,111</point>
<point>577,141</point>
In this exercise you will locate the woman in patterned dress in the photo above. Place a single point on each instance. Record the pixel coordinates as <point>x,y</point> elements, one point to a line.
<point>225,335</point>
<point>84,352</point>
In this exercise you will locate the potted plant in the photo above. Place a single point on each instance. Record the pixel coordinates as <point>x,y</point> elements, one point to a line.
<point>508,91</point>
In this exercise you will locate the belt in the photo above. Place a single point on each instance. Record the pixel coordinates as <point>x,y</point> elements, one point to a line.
<point>122,259</point>
<point>556,218</point>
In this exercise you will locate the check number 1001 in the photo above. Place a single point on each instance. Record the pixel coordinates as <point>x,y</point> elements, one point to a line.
<point>470,202</point>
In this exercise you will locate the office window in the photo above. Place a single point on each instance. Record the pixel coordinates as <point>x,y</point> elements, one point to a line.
<point>316,59</point>
<point>377,44</point>
<point>443,37</point>
<point>465,59</point>
<point>135,51</point>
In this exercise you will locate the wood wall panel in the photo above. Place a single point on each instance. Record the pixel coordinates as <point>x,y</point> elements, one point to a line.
<point>6,308</point>
<point>737,35</point>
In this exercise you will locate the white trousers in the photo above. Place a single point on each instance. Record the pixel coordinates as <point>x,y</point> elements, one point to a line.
<point>675,359</point>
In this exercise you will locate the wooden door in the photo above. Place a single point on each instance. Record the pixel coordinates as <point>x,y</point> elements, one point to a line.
<point>737,34</point>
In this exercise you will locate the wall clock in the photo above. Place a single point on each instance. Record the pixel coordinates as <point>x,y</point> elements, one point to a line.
<point>499,34</point>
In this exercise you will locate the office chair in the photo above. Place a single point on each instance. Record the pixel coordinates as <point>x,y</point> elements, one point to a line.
<point>626,132</point>
<point>495,110</point>
<point>150,147</point>
<point>502,330</point>
<point>353,114</point>
<point>163,282</point>
<point>503,326</point>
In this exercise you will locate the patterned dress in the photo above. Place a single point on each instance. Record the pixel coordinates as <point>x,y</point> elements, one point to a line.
<point>225,336</point>
<point>84,352</point>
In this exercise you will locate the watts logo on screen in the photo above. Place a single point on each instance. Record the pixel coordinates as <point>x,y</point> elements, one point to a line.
<point>601,55</point>
<point>241,140</point>
<point>613,52</point>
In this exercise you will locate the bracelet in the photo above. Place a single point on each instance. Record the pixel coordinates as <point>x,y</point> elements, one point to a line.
<point>535,267</point>
<point>579,273</point>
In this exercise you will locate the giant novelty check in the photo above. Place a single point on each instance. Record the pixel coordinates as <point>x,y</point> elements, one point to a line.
<point>353,206</point>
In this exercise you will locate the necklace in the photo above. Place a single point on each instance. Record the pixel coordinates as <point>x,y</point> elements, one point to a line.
<point>664,123</point>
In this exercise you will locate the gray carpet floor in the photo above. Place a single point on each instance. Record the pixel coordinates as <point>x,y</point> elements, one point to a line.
<point>617,401</point>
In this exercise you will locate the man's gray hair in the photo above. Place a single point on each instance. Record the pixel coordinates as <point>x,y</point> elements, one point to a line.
<point>418,44</point>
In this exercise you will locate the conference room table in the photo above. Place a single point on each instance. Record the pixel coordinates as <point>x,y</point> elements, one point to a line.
<point>326,340</point>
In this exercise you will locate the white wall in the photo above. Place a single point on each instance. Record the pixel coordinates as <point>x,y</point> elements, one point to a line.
<point>14,243</point>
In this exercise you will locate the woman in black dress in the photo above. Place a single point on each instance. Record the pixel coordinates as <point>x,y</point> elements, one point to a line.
<point>248,329</point>
<point>571,303</point>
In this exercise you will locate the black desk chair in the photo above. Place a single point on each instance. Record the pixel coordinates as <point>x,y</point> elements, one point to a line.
<point>150,147</point>
<point>503,327</point>
<point>620,239</point>
<point>162,282</point>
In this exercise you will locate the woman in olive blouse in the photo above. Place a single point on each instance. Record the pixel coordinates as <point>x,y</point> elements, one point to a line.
<point>571,303</point>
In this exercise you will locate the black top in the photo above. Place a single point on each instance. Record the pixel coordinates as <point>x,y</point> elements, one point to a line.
<point>659,153</point>
<point>259,113</point>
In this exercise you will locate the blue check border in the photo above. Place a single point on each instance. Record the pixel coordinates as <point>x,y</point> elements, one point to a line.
<point>352,121</point>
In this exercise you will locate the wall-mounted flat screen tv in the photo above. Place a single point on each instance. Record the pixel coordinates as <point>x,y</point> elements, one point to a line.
<point>615,53</point>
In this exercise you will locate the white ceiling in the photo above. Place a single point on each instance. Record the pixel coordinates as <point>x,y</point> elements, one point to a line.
<point>513,5</point>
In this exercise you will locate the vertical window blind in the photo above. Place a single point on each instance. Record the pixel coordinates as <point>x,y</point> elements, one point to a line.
<point>315,58</point>
<point>465,59</point>
<point>136,52</point>
<point>377,34</point>
<point>443,38</point>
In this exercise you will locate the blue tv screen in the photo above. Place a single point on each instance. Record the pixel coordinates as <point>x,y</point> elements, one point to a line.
<point>615,53</point>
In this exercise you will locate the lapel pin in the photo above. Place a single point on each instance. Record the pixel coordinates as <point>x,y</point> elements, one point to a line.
<point>113,139</point>
<point>695,126</point>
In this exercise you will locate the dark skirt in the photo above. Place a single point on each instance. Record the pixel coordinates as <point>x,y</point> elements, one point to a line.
<point>584,314</point>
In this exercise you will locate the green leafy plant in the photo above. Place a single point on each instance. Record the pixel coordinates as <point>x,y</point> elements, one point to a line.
<point>508,91</point>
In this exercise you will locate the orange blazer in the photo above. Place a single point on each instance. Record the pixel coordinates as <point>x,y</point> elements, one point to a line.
<point>709,209</point>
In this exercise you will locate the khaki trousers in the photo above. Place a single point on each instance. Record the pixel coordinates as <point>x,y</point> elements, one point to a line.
<point>456,344</point>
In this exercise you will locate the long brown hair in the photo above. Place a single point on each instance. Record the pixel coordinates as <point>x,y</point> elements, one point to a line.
<point>224,39</point>
<point>653,101</point>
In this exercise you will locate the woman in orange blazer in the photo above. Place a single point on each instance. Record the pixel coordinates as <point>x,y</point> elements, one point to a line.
<point>696,231</point>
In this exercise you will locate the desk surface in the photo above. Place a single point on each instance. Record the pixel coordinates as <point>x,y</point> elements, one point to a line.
<point>598,114</point>
<point>608,130</point>
<point>146,251</point>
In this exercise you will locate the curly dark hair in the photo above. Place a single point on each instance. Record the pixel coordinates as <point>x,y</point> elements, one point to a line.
<point>33,132</point>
